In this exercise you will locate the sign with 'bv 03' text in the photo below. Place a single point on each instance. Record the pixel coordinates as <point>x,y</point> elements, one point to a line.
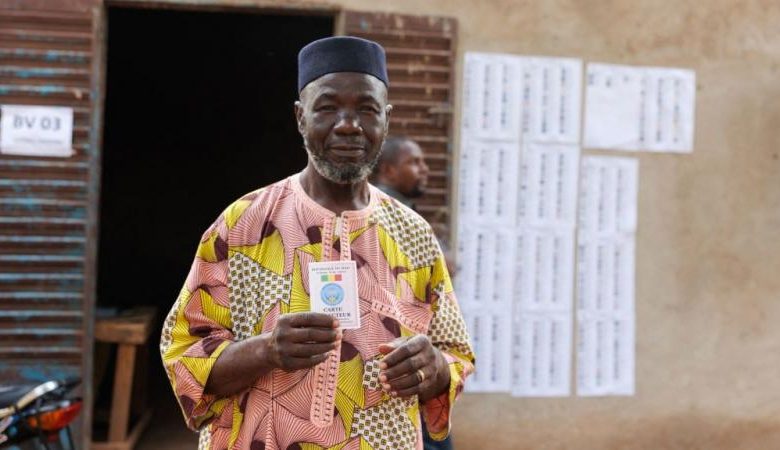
<point>36,130</point>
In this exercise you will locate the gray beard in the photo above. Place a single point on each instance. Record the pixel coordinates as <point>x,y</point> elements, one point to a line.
<point>342,173</point>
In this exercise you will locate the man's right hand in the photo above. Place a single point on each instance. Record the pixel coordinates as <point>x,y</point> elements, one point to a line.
<point>299,341</point>
<point>302,340</point>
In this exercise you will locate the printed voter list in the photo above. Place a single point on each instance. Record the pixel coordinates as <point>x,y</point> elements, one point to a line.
<point>333,291</point>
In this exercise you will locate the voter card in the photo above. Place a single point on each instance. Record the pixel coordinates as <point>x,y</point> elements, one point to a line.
<point>333,291</point>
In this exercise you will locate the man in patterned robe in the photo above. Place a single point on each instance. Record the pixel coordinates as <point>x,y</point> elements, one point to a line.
<point>251,366</point>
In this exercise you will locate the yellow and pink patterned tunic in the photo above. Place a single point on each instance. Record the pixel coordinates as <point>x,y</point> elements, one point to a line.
<point>251,267</point>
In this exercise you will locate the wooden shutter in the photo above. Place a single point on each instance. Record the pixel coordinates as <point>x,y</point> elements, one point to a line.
<point>421,59</point>
<point>48,205</point>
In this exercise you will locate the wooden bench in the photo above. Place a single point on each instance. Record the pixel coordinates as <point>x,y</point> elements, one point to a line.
<point>130,331</point>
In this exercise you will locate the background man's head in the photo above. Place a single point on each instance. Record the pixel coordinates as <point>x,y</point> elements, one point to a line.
<point>343,114</point>
<point>402,167</point>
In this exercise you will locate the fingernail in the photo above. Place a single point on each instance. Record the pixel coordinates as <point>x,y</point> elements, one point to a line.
<point>382,378</point>
<point>336,323</point>
<point>383,365</point>
<point>386,387</point>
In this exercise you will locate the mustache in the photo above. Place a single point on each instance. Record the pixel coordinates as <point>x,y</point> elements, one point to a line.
<point>347,143</point>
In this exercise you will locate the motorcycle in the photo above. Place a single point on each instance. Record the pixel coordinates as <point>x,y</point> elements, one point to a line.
<point>36,414</point>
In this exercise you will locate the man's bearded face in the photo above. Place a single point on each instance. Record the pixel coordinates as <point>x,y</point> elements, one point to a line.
<point>343,119</point>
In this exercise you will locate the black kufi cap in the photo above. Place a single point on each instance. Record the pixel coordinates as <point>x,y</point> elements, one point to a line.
<point>340,54</point>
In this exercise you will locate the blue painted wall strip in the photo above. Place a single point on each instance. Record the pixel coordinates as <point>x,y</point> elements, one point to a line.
<point>47,164</point>
<point>32,295</point>
<point>44,239</point>
<point>4,277</point>
<point>40,314</point>
<point>40,182</point>
<point>42,332</point>
<point>40,258</point>
<point>65,56</point>
<point>41,72</point>
<point>50,220</point>
<point>41,350</point>
<point>24,201</point>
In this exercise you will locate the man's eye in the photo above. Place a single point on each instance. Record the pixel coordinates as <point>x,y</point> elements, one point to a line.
<point>369,109</point>
<point>325,108</point>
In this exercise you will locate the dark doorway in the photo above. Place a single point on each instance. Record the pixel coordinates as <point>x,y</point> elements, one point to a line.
<point>198,111</point>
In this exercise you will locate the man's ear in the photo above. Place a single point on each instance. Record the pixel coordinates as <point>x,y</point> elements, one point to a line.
<point>388,171</point>
<point>299,115</point>
<point>388,111</point>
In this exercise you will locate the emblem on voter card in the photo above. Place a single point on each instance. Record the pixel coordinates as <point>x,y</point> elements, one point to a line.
<point>333,291</point>
<point>332,294</point>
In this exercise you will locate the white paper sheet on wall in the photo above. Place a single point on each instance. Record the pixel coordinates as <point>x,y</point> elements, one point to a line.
<point>485,261</point>
<point>544,271</point>
<point>608,195</point>
<point>551,95</point>
<point>489,332</point>
<point>541,355</point>
<point>605,356</point>
<point>488,182</point>
<point>548,185</point>
<point>491,87</point>
<point>605,276</point>
<point>639,108</point>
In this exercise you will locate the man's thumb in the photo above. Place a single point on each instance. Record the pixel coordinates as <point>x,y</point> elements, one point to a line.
<point>386,348</point>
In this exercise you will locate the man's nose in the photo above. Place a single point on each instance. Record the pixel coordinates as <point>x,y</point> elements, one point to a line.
<point>348,123</point>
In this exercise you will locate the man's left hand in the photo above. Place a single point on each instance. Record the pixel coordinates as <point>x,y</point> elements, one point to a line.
<point>413,366</point>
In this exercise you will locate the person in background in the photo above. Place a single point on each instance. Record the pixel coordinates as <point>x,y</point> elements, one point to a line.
<point>401,172</point>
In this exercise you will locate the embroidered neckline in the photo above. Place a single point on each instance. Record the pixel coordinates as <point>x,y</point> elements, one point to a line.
<point>325,212</point>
